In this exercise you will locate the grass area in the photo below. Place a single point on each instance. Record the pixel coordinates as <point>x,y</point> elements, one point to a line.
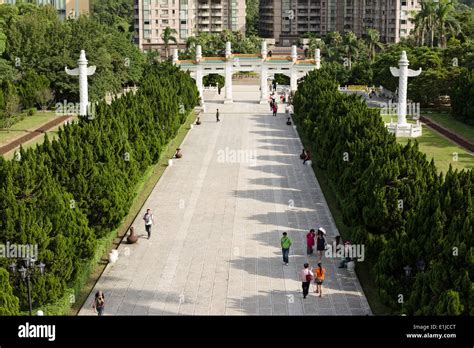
<point>443,151</point>
<point>363,269</point>
<point>22,127</point>
<point>447,121</point>
<point>143,191</point>
<point>52,135</point>
<point>388,118</point>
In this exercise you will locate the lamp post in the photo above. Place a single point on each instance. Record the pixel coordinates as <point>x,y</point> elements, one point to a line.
<point>407,270</point>
<point>26,271</point>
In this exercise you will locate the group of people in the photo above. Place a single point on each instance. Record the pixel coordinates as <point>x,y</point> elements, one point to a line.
<point>305,156</point>
<point>307,275</point>
<point>316,239</point>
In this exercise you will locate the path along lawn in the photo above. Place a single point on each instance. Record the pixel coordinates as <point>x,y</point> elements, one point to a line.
<point>28,124</point>
<point>443,151</point>
<point>447,121</point>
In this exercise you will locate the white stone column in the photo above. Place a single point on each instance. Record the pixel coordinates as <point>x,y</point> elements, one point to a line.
<point>228,73</point>
<point>228,50</point>
<point>264,50</point>
<point>82,71</point>
<point>263,84</point>
<point>175,56</point>
<point>317,57</point>
<point>403,73</point>
<point>199,83</point>
<point>228,83</point>
<point>294,54</point>
<point>293,80</point>
<point>198,53</point>
<point>402,88</point>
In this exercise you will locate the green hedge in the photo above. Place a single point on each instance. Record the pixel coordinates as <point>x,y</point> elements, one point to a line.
<point>393,201</point>
<point>68,195</point>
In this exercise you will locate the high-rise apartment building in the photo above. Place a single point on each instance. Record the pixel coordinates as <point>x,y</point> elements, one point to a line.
<point>187,17</point>
<point>65,8</point>
<point>286,20</point>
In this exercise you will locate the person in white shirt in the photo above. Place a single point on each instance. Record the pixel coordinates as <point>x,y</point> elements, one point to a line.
<point>149,221</point>
<point>306,276</point>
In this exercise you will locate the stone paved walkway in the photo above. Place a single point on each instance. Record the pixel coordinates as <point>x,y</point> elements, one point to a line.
<point>220,214</point>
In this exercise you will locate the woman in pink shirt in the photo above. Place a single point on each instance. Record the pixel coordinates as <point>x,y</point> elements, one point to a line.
<point>310,241</point>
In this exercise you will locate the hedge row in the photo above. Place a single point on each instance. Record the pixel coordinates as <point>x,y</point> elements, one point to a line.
<point>67,194</point>
<point>393,201</point>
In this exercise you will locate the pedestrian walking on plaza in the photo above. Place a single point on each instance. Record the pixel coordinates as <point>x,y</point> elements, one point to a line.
<point>306,276</point>
<point>217,116</point>
<point>319,273</point>
<point>271,104</point>
<point>321,243</point>
<point>310,241</point>
<point>149,221</point>
<point>285,247</point>
<point>275,109</point>
<point>99,303</point>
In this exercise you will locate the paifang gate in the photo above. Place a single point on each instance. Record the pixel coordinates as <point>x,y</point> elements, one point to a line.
<point>266,66</point>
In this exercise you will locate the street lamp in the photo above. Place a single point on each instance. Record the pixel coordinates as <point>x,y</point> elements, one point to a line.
<point>26,273</point>
<point>407,270</point>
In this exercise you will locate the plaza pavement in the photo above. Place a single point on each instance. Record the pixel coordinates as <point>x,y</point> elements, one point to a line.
<point>216,247</point>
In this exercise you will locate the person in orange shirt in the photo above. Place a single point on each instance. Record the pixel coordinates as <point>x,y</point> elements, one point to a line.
<point>319,274</point>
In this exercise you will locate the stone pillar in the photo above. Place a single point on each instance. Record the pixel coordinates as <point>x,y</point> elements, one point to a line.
<point>199,83</point>
<point>293,80</point>
<point>317,58</point>
<point>198,53</point>
<point>403,73</point>
<point>294,54</point>
<point>402,89</point>
<point>228,74</point>
<point>82,71</point>
<point>228,50</point>
<point>175,56</point>
<point>263,84</point>
<point>264,50</point>
<point>228,83</point>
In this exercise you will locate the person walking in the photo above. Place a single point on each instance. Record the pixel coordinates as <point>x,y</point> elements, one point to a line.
<point>217,116</point>
<point>275,109</point>
<point>99,303</point>
<point>310,241</point>
<point>149,221</point>
<point>285,247</point>
<point>320,243</point>
<point>319,273</point>
<point>306,276</point>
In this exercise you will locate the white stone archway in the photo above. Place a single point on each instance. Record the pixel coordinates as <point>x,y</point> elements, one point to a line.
<point>266,66</point>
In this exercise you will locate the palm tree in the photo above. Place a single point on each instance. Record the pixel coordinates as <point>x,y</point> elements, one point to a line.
<point>425,21</point>
<point>167,36</point>
<point>350,46</point>
<point>373,42</point>
<point>443,10</point>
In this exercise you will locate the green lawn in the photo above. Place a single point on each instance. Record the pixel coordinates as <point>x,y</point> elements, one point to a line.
<point>387,118</point>
<point>443,151</point>
<point>22,127</point>
<point>447,121</point>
